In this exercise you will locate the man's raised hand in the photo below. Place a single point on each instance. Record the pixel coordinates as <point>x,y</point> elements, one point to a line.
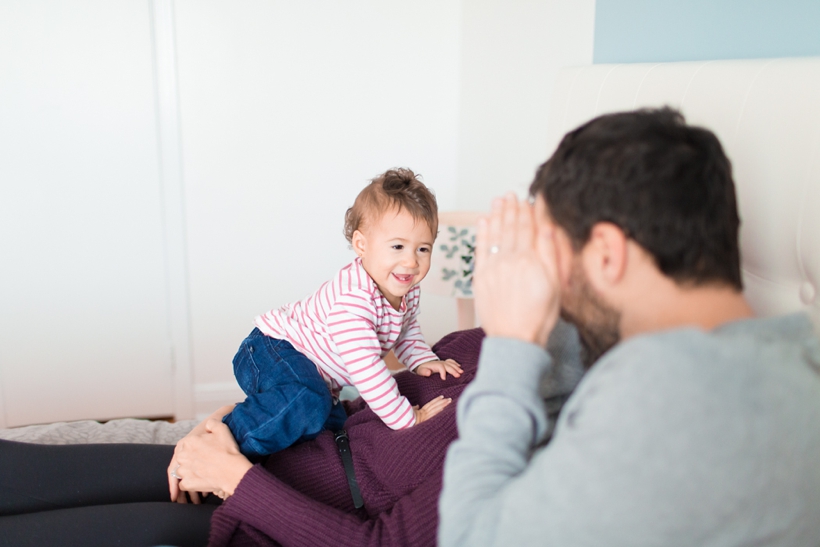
<point>516,284</point>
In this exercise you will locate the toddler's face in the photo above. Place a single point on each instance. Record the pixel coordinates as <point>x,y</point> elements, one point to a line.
<point>395,252</point>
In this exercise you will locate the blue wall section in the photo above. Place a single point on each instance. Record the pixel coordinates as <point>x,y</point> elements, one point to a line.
<point>636,31</point>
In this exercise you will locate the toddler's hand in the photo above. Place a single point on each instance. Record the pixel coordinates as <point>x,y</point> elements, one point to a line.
<point>430,409</point>
<point>441,367</point>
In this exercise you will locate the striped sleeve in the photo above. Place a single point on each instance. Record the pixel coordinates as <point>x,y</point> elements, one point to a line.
<point>351,325</point>
<point>410,348</point>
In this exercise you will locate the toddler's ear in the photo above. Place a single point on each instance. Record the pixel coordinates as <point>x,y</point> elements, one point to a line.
<point>359,242</point>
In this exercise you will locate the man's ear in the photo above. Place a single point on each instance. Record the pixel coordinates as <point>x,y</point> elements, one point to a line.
<point>359,242</point>
<point>605,255</point>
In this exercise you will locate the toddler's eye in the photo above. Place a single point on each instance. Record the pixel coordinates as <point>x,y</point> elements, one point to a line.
<point>398,247</point>
<point>424,249</point>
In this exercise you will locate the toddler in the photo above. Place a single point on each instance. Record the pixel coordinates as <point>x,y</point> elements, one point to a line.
<point>295,362</point>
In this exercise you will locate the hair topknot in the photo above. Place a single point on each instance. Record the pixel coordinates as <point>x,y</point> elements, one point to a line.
<point>396,180</point>
<point>398,188</point>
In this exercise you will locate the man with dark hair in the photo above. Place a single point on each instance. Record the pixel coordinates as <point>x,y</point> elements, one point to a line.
<point>696,424</point>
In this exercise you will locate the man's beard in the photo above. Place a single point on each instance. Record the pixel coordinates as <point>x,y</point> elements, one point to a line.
<point>596,321</point>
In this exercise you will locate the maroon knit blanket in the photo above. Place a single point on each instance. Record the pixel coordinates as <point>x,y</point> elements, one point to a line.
<point>300,496</point>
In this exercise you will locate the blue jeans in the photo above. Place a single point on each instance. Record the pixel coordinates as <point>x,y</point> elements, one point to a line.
<point>288,401</point>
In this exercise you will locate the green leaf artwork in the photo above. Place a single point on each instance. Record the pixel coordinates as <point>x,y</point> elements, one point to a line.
<point>463,247</point>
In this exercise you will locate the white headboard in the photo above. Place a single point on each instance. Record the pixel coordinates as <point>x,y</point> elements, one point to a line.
<point>767,115</point>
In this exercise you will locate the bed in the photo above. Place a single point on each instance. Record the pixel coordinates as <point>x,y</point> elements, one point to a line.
<point>767,115</point>
<point>125,430</point>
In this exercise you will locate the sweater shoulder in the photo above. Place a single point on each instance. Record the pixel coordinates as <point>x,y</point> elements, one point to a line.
<point>698,380</point>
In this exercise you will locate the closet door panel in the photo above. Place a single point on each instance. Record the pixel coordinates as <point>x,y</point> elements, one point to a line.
<point>83,300</point>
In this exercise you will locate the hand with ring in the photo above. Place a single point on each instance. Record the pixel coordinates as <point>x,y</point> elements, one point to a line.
<point>176,476</point>
<point>178,494</point>
<point>515,281</point>
<point>207,460</point>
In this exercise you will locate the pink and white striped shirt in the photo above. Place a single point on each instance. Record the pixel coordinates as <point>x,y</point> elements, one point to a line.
<point>346,328</point>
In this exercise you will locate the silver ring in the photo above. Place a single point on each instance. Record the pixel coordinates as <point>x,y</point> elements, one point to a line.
<point>493,249</point>
<point>174,473</point>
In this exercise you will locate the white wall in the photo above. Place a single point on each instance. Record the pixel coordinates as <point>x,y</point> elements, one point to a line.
<point>511,52</point>
<point>83,316</point>
<point>285,110</point>
<point>310,102</point>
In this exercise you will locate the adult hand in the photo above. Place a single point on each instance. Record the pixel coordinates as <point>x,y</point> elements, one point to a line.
<point>173,468</point>
<point>515,282</point>
<point>210,461</point>
<point>442,368</point>
<point>430,409</point>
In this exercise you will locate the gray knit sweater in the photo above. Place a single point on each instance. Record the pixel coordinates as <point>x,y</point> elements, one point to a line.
<point>681,437</point>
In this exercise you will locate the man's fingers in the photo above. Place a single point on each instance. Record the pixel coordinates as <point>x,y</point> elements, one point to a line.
<point>509,225</point>
<point>496,222</point>
<point>495,226</point>
<point>482,241</point>
<point>526,226</point>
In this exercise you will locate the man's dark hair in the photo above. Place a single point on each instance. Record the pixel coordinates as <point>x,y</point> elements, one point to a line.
<point>666,184</point>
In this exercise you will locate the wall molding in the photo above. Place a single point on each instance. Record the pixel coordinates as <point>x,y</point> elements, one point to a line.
<point>173,202</point>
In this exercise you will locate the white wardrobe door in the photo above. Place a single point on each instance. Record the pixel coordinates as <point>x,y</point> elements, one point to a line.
<point>83,311</point>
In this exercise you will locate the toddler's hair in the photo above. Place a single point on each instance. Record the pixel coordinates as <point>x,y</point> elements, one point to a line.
<point>398,189</point>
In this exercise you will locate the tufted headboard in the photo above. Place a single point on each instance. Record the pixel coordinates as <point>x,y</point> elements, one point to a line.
<point>767,115</point>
